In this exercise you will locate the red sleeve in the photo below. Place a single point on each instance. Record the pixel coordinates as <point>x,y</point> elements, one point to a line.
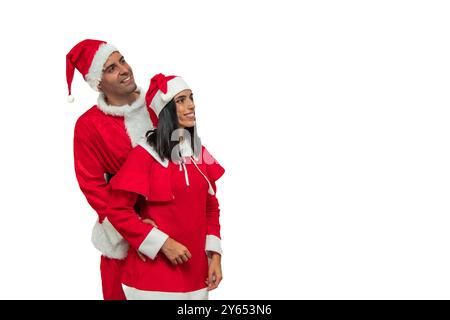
<point>89,171</point>
<point>214,171</point>
<point>212,216</point>
<point>121,214</point>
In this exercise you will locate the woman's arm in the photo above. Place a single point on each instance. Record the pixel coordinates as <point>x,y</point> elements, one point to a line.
<point>213,242</point>
<point>142,236</point>
<point>145,238</point>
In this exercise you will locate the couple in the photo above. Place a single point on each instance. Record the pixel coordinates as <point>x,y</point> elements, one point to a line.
<point>140,164</point>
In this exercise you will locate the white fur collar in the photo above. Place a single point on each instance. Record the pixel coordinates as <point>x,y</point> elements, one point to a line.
<point>136,117</point>
<point>121,110</point>
<point>137,123</point>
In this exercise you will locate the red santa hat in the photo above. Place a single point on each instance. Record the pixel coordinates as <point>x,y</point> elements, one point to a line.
<point>162,89</point>
<point>88,57</point>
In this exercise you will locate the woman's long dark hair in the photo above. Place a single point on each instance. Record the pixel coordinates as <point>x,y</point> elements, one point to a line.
<point>163,139</point>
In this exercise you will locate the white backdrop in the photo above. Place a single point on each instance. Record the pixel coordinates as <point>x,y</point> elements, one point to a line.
<point>330,117</point>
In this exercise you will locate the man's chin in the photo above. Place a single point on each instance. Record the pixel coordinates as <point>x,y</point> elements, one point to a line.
<point>132,87</point>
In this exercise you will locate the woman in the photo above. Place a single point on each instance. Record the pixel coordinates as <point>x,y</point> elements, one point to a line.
<point>172,177</point>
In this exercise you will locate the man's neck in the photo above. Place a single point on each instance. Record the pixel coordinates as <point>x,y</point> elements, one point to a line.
<point>121,100</point>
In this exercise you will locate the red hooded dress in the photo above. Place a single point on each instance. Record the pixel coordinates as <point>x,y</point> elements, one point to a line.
<point>180,198</point>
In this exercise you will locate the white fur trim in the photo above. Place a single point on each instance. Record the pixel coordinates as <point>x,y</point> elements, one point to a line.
<point>153,243</point>
<point>121,110</point>
<point>95,73</point>
<point>136,294</point>
<point>174,86</point>
<point>213,243</point>
<point>108,240</point>
<point>137,123</point>
<point>143,143</point>
<point>136,117</point>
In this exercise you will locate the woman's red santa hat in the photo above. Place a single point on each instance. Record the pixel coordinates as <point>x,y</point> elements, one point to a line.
<point>88,57</point>
<point>162,89</point>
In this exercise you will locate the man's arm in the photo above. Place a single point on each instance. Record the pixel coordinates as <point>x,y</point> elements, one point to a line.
<point>89,170</point>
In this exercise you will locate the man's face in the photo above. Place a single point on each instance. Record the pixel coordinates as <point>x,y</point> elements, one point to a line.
<point>117,79</point>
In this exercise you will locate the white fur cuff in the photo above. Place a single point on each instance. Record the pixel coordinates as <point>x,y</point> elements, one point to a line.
<point>153,243</point>
<point>108,241</point>
<point>213,244</point>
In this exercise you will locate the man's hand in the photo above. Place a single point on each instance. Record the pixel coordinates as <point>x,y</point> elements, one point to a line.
<point>214,271</point>
<point>175,252</point>
<point>147,221</point>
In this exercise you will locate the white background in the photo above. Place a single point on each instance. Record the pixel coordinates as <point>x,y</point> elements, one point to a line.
<point>330,117</point>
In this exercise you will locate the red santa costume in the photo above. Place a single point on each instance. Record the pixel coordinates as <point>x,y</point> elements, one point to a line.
<point>180,198</point>
<point>104,136</point>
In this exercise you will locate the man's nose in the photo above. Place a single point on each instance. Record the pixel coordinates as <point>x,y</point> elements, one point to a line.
<point>124,69</point>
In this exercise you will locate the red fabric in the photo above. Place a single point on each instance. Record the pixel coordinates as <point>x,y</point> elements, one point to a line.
<point>212,216</point>
<point>123,217</point>
<point>80,57</point>
<point>101,145</point>
<point>138,176</point>
<point>158,82</point>
<point>214,172</point>
<point>186,213</point>
<point>213,169</point>
<point>111,272</point>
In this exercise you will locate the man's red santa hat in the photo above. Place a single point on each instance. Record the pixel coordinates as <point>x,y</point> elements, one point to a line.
<point>162,89</point>
<point>88,57</point>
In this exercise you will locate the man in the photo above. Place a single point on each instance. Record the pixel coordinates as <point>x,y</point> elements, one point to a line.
<point>104,135</point>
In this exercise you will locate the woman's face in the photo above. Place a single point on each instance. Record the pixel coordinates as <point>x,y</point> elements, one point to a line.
<point>185,108</point>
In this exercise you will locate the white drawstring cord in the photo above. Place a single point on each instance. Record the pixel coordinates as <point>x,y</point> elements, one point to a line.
<point>186,177</point>
<point>210,189</point>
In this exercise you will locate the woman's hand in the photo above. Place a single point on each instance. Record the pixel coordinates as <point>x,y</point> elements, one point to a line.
<point>214,271</point>
<point>175,252</point>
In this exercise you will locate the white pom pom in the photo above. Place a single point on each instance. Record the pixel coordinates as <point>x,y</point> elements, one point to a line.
<point>70,99</point>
